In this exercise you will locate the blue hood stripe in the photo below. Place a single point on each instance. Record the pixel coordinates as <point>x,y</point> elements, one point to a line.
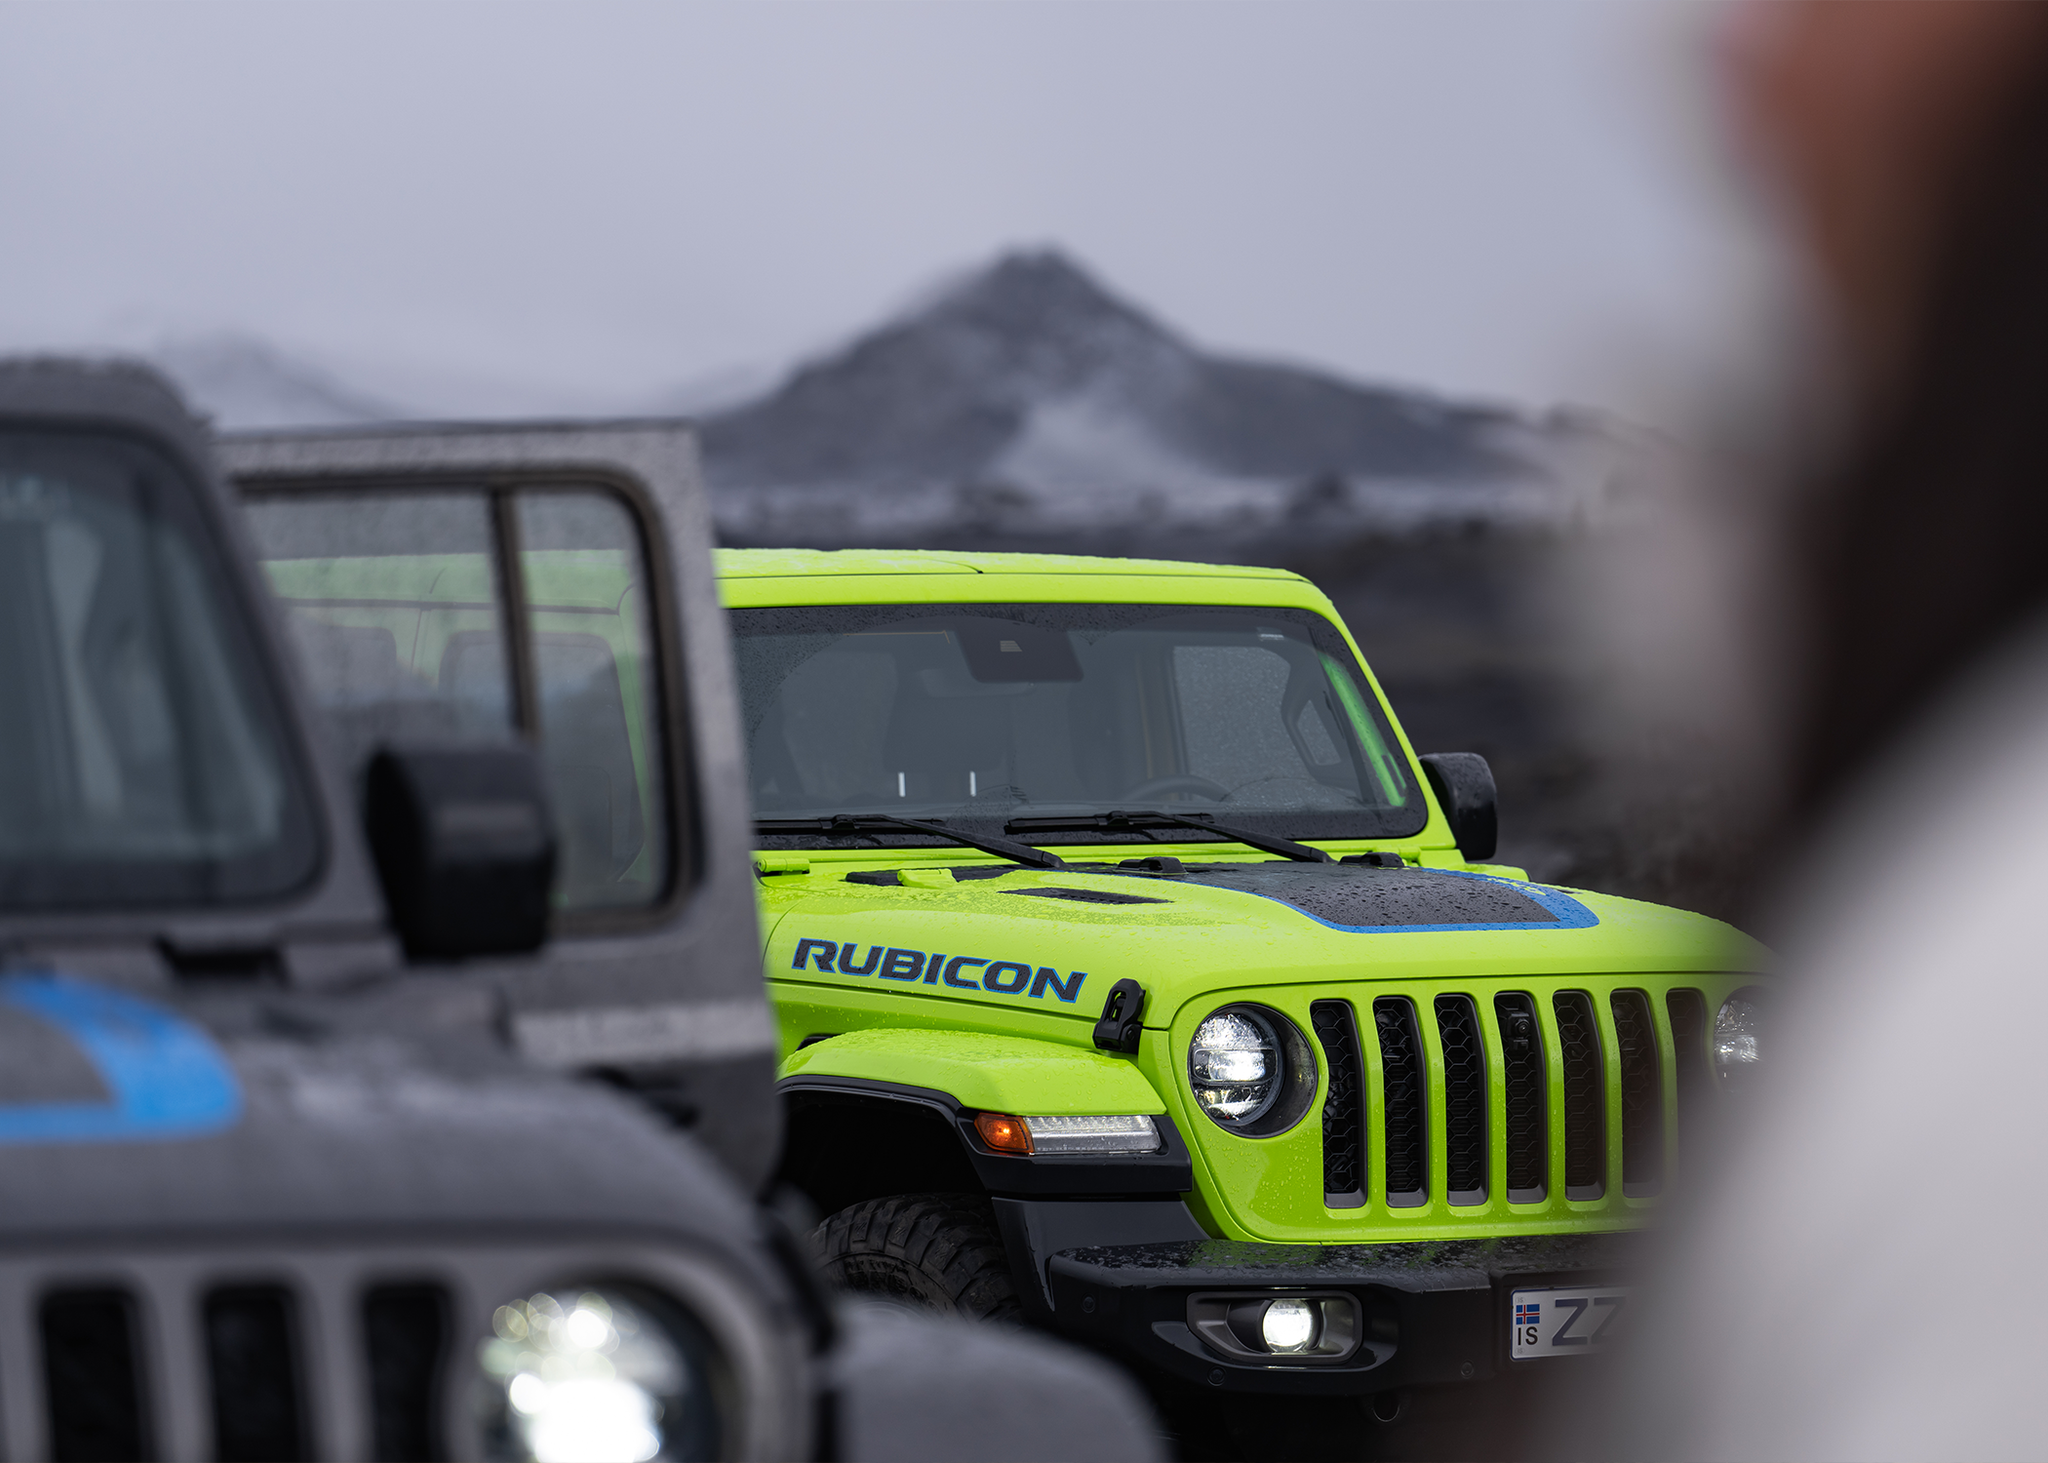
<point>167,1078</point>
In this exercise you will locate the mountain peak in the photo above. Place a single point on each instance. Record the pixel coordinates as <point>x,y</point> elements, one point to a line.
<point>1028,292</point>
<point>1030,374</point>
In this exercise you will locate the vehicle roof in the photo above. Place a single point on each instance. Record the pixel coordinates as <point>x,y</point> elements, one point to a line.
<point>761,577</point>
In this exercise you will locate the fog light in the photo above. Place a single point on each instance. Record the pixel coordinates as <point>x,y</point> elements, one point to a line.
<point>1299,1330</point>
<point>1288,1326</point>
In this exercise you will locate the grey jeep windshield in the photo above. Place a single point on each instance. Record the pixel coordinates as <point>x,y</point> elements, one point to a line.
<point>140,756</point>
<point>978,714</point>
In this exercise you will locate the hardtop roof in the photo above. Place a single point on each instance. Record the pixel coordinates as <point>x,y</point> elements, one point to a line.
<point>805,563</point>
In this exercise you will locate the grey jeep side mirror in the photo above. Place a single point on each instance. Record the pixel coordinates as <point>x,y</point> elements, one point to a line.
<point>465,847</point>
<point>1463,785</point>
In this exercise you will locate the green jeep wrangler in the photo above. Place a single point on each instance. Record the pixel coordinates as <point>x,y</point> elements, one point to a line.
<point>1134,976</point>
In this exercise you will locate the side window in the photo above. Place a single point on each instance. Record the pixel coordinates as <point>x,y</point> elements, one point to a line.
<point>400,605</point>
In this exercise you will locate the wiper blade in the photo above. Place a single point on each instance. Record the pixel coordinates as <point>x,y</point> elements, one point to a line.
<point>849,823</point>
<point>1140,819</point>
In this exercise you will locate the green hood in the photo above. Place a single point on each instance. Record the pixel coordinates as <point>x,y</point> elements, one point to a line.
<point>1053,942</point>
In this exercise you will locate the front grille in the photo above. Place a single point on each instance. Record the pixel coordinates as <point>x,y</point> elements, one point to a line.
<point>253,1370</point>
<point>1642,1095</point>
<point>92,1377</point>
<point>1464,1100</point>
<point>1585,1096</point>
<point>1688,1011</point>
<point>1344,1106</point>
<point>1526,1135</point>
<point>1567,1059</point>
<point>1406,1103</point>
<point>315,1347</point>
<point>405,1331</point>
<point>160,1366</point>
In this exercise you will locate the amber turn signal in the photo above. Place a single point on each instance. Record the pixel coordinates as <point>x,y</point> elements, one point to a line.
<point>1002,1132</point>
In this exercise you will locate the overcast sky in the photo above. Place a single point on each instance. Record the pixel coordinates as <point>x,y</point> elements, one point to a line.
<point>583,206</point>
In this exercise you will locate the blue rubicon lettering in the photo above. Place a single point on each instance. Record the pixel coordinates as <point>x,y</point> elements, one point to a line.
<point>999,977</point>
<point>903,965</point>
<point>1049,980</point>
<point>846,965</point>
<point>1007,976</point>
<point>959,963</point>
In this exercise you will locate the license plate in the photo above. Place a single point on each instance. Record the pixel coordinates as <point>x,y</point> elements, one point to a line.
<point>1567,1322</point>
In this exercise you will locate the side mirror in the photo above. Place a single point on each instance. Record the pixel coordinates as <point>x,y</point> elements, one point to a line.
<point>464,846</point>
<point>1463,785</point>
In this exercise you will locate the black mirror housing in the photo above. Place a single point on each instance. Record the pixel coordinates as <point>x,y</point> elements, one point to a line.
<point>1463,785</point>
<point>465,847</point>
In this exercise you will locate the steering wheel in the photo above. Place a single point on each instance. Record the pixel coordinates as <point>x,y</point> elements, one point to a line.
<point>1179,782</point>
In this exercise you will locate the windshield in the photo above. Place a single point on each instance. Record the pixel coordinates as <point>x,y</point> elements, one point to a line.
<point>140,754</point>
<point>980,714</point>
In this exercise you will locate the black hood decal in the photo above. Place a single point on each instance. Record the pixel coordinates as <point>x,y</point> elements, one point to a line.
<point>1362,898</point>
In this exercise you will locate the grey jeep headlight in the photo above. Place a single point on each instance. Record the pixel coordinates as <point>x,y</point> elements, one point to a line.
<point>612,1374</point>
<point>1250,1070</point>
<point>1738,1038</point>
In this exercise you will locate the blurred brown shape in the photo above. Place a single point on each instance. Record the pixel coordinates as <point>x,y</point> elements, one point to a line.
<point>1873,115</point>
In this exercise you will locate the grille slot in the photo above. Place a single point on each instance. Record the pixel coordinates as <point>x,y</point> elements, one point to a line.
<point>405,1331</point>
<point>1464,1100</point>
<point>1407,1150</point>
<point>92,1377</point>
<point>1526,1135</point>
<point>252,1363</point>
<point>1642,1094</point>
<point>1344,1107</point>
<point>1585,1096</point>
<point>1688,1011</point>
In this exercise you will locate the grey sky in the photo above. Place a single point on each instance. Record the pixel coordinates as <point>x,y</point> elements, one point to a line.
<point>579,207</point>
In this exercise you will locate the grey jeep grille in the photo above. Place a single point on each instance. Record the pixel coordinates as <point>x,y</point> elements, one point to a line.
<point>92,1377</point>
<point>102,1389</point>
<point>281,1351</point>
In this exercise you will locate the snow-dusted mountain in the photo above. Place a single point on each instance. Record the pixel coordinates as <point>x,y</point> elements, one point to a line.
<point>1028,398</point>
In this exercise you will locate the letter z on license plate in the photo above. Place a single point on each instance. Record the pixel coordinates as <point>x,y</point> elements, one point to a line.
<point>1567,1322</point>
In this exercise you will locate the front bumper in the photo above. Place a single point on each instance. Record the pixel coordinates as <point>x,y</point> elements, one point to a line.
<point>1433,1312</point>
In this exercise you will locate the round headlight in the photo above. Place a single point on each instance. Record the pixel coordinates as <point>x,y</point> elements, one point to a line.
<point>1250,1070</point>
<point>604,1375</point>
<point>1738,1028</point>
<point>1234,1066</point>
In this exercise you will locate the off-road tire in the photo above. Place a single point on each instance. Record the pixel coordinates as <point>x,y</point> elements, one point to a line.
<point>929,1252</point>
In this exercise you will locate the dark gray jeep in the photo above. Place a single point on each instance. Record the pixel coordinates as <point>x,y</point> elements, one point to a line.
<point>392,1080</point>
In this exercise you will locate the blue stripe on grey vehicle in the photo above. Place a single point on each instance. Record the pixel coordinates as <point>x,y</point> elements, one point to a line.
<point>164,1076</point>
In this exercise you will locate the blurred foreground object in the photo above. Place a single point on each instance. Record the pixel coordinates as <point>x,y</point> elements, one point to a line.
<point>1912,140</point>
<point>433,1142</point>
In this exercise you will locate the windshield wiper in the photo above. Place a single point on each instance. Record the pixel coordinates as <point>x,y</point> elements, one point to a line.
<point>1140,819</point>
<point>850,823</point>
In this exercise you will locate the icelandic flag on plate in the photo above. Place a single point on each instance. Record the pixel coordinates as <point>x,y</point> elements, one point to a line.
<point>1529,1313</point>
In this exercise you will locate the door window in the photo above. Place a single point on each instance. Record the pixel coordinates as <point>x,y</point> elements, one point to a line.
<point>402,608</point>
